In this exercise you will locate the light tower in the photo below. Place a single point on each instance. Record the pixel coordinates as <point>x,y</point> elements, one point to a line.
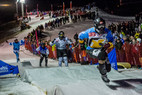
<point>22,7</point>
<point>17,7</point>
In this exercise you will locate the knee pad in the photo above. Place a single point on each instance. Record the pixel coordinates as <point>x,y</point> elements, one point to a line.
<point>66,61</point>
<point>60,61</point>
<point>108,67</point>
<point>102,55</point>
<point>102,69</point>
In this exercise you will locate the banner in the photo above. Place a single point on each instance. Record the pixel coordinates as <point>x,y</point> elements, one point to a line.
<point>70,5</point>
<point>26,11</point>
<point>7,69</point>
<point>63,8</point>
<point>51,7</point>
<point>37,10</point>
<point>112,59</point>
<point>37,38</point>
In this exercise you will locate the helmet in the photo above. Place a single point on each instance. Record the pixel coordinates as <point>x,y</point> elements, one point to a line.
<point>43,45</point>
<point>99,25</point>
<point>61,35</point>
<point>139,40</point>
<point>16,41</point>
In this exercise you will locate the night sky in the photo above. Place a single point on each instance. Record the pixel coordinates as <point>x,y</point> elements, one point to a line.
<point>8,13</point>
<point>128,7</point>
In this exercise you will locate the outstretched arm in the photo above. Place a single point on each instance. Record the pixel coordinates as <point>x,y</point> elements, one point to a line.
<point>38,49</point>
<point>47,52</point>
<point>53,42</point>
<point>11,43</point>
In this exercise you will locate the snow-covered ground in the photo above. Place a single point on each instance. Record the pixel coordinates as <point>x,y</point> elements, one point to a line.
<point>72,80</point>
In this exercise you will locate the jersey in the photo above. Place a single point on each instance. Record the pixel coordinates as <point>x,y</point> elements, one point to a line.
<point>96,40</point>
<point>16,46</point>
<point>43,50</point>
<point>61,43</point>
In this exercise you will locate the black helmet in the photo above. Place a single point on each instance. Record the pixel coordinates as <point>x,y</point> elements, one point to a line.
<point>43,45</point>
<point>16,41</point>
<point>61,34</point>
<point>99,25</point>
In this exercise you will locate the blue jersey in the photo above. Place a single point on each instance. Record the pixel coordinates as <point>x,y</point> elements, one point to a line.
<point>94,38</point>
<point>43,50</point>
<point>16,46</point>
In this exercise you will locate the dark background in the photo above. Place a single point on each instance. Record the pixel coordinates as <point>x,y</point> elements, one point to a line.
<point>128,7</point>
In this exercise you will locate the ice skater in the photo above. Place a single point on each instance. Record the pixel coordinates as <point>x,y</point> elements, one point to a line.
<point>99,39</point>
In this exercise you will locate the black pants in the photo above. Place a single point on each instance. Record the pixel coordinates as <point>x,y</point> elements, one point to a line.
<point>105,67</point>
<point>41,59</point>
<point>101,56</point>
<point>61,53</point>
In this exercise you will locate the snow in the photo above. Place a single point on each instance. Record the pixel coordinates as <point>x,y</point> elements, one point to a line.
<point>14,86</point>
<point>72,80</point>
<point>75,80</point>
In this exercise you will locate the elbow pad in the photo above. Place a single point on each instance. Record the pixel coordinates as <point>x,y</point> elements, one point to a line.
<point>53,40</point>
<point>82,46</point>
<point>81,41</point>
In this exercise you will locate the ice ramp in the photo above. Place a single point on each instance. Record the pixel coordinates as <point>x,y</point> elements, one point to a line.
<point>82,80</point>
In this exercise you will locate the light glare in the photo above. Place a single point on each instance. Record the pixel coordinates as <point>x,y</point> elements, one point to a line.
<point>5,5</point>
<point>22,1</point>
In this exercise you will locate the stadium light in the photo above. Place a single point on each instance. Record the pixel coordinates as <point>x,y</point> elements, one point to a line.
<point>5,5</point>
<point>22,1</point>
<point>17,7</point>
<point>17,1</point>
<point>22,6</point>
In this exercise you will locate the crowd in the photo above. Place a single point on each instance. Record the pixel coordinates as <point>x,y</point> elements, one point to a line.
<point>56,23</point>
<point>35,39</point>
<point>127,41</point>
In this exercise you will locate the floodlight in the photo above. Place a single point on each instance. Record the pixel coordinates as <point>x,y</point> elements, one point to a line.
<point>22,1</point>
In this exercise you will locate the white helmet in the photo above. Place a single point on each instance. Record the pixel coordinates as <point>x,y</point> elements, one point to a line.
<point>139,40</point>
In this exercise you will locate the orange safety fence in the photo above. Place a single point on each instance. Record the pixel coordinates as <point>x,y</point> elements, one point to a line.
<point>26,43</point>
<point>50,51</point>
<point>128,53</point>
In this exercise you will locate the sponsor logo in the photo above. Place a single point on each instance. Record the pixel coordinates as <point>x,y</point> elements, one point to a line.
<point>113,65</point>
<point>3,69</point>
<point>92,34</point>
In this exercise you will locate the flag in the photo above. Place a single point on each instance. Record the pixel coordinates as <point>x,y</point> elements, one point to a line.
<point>8,69</point>
<point>70,5</point>
<point>37,10</point>
<point>37,38</point>
<point>51,7</point>
<point>63,8</point>
<point>112,59</point>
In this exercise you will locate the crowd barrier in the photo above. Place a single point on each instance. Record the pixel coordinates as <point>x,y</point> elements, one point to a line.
<point>128,53</point>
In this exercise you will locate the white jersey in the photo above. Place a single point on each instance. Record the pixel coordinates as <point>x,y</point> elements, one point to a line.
<point>61,44</point>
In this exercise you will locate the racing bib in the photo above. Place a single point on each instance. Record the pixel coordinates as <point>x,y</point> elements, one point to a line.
<point>96,52</point>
